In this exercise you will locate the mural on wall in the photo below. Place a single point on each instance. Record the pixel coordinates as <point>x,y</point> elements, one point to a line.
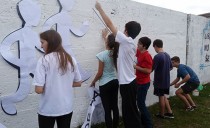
<point>25,62</point>
<point>205,52</point>
<point>62,23</point>
<point>2,126</point>
<point>28,41</point>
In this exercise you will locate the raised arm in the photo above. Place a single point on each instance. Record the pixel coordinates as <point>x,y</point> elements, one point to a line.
<point>105,18</point>
<point>104,34</point>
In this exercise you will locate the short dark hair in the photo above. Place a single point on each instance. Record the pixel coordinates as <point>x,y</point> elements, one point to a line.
<point>176,59</point>
<point>133,28</point>
<point>158,43</point>
<point>145,41</point>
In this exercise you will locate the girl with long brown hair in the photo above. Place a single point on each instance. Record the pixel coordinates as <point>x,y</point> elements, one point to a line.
<point>55,76</point>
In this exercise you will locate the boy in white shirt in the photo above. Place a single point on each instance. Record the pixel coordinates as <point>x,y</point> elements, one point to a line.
<point>126,74</point>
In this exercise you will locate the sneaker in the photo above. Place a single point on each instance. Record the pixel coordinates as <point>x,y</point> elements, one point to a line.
<point>169,115</point>
<point>160,116</point>
<point>189,109</point>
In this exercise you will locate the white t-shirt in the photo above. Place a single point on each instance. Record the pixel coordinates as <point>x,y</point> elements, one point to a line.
<point>125,61</point>
<point>57,98</point>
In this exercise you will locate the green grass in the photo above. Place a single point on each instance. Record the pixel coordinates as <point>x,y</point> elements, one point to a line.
<point>199,118</point>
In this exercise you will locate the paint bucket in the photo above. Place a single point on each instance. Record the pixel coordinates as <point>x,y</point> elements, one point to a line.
<point>200,87</point>
<point>195,92</point>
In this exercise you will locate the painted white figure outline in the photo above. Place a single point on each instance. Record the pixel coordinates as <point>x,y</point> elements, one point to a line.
<point>2,126</point>
<point>27,39</point>
<point>62,20</point>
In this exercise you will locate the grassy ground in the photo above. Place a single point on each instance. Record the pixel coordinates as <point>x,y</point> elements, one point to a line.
<point>199,118</point>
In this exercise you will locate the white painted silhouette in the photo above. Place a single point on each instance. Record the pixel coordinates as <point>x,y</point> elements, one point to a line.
<point>63,24</point>
<point>26,61</point>
<point>2,126</point>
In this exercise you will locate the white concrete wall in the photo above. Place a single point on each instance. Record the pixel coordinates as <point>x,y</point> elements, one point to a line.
<point>168,25</point>
<point>198,51</point>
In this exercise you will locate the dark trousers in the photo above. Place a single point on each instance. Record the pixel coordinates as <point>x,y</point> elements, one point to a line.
<point>49,122</point>
<point>109,98</point>
<point>130,113</point>
<point>141,98</point>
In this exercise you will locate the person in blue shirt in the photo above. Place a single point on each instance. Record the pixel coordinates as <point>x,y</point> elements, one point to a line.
<point>162,67</point>
<point>108,82</point>
<point>190,81</point>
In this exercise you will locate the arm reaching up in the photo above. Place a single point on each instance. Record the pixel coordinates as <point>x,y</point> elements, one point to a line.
<point>105,33</point>
<point>105,18</point>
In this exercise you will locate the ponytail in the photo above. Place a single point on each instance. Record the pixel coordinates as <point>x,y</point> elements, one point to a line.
<point>114,47</point>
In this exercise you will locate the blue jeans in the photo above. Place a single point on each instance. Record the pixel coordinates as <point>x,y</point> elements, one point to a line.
<point>141,98</point>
